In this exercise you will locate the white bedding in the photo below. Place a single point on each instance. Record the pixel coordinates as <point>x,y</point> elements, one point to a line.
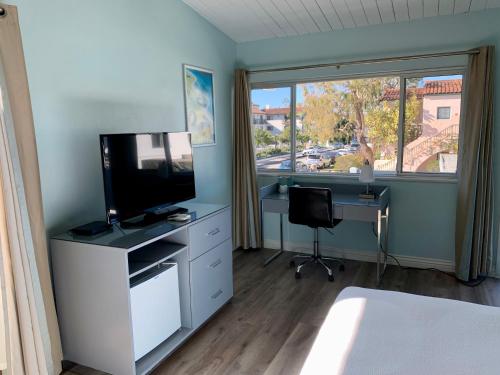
<point>373,332</point>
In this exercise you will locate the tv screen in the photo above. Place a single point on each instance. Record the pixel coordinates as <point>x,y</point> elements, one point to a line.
<point>145,172</point>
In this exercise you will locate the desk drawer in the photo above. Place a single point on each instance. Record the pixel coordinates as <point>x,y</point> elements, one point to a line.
<point>211,282</point>
<point>360,213</point>
<point>275,205</point>
<point>209,233</point>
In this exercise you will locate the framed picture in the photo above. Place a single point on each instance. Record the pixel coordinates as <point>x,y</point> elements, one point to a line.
<point>199,104</point>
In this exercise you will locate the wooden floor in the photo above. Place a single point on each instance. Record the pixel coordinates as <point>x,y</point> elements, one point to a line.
<point>272,320</point>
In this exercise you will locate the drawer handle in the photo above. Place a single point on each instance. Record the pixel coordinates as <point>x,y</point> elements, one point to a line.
<point>216,263</point>
<point>213,232</point>
<point>217,294</point>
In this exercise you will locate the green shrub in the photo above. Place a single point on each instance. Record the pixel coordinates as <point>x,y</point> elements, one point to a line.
<point>343,163</point>
<point>269,152</point>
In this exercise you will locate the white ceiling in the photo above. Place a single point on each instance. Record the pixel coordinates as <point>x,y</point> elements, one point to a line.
<point>247,20</point>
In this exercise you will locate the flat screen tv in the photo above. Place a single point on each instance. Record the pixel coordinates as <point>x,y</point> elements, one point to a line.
<point>146,174</point>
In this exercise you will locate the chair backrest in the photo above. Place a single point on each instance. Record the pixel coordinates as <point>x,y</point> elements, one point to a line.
<point>310,206</point>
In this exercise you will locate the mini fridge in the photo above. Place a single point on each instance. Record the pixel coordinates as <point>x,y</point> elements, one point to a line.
<point>155,307</point>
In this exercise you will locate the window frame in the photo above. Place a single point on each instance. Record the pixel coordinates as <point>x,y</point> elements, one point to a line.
<point>403,75</point>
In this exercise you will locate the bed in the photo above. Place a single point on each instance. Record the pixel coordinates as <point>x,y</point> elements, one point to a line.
<point>374,332</point>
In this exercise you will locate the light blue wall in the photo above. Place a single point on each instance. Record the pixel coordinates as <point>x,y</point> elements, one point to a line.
<point>422,212</point>
<point>116,66</point>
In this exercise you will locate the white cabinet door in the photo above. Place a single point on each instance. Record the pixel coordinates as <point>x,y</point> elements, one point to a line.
<point>211,282</point>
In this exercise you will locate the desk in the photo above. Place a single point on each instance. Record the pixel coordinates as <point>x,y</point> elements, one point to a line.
<point>346,206</point>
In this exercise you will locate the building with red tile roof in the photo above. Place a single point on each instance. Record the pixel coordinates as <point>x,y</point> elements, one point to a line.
<point>273,120</point>
<point>437,87</point>
<point>440,114</point>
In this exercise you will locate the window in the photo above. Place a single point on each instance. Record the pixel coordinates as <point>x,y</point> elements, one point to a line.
<point>272,137</point>
<point>443,113</point>
<point>402,124</point>
<point>431,142</point>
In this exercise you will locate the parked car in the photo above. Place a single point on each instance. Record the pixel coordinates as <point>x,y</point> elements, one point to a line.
<point>317,161</point>
<point>312,150</point>
<point>344,151</point>
<point>354,146</point>
<point>299,165</point>
<point>330,154</point>
<point>285,164</point>
<point>337,145</point>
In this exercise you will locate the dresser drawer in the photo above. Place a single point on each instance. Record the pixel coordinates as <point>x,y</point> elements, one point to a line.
<point>209,233</point>
<point>211,282</point>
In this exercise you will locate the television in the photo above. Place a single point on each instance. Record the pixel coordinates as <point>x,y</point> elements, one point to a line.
<point>145,174</point>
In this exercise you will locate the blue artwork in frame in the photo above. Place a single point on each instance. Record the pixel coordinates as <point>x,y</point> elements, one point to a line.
<point>199,103</point>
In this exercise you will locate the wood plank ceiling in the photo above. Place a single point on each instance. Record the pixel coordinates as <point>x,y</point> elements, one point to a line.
<point>248,20</point>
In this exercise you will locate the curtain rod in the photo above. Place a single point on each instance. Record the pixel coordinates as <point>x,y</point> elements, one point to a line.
<point>367,61</point>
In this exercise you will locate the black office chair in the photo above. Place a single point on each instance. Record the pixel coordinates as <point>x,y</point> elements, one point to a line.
<point>313,207</point>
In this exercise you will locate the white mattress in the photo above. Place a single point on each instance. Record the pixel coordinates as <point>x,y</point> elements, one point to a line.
<point>372,332</point>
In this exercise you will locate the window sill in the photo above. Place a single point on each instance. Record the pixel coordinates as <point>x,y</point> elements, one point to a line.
<point>447,179</point>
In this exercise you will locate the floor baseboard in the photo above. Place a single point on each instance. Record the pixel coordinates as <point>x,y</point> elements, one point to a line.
<point>364,256</point>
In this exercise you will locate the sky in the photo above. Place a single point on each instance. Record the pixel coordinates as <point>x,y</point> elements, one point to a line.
<point>280,97</point>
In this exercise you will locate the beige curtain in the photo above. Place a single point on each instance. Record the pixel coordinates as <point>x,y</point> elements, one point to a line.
<point>474,218</point>
<point>246,213</point>
<point>33,341</point>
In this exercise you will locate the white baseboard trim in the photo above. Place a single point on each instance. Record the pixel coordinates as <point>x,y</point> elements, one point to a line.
<point>364,256</point>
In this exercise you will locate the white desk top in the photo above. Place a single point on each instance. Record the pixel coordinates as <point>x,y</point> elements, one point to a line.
<point>343,194</point>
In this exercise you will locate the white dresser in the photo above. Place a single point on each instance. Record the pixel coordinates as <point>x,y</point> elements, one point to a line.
<point>93,278</point>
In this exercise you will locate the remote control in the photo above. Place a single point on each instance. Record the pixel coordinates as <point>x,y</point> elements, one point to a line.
<point>179,217</point>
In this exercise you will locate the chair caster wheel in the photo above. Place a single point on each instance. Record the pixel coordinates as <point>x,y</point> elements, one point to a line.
<point>342,268</point>
<point>298,275</point>
<point>330,278</point>
<point>292,264</point>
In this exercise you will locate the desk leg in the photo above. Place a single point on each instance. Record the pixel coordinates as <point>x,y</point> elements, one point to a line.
<point>379,246</point>
<point>386,236</point>
<point>281,232</point>
<point>381,266</point>
<point>261,207</point>
<point>273,257</point>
